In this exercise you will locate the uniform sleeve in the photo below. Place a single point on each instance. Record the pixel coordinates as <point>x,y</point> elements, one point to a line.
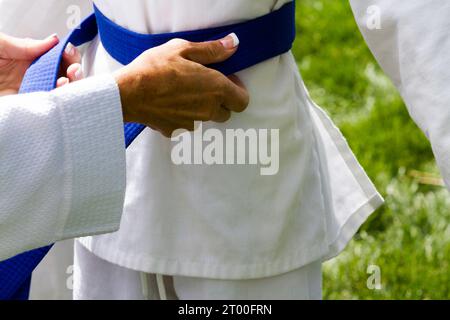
<point>410,39</point>
<point>62,164</point>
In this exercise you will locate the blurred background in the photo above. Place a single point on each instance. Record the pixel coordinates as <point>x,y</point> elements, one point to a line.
<point>409,238</point>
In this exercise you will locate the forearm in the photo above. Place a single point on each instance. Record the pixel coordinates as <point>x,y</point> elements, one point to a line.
<point>62,165</point>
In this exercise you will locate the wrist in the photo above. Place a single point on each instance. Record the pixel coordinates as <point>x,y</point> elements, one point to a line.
<point>125,84</point>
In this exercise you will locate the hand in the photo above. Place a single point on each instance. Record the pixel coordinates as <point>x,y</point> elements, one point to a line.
<point>168,87</point>
<point>17,54</point>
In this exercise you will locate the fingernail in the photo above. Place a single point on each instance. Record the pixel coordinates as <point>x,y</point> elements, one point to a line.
<point>52,37</point>
<point>70,49</point>
<point>63,82</point>
<point>78,74</point>
<point>231,41</point>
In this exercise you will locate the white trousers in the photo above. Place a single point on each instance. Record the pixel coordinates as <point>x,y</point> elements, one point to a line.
<point>97,279</point>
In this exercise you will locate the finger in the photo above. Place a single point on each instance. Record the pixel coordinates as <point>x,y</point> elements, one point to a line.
<point>221,115</point>
<point>164,126</point>
<point>71,56</point>
<point>188,125</point>
<point>25,49</point>
<point>236,97</point>
<point>212,51</point>
<point>74,72</point>
<point>62,82</point>
<point>174,128</point>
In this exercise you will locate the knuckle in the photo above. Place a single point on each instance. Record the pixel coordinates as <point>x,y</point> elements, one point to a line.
<point>177,42</point>
<point>27,46</point>
<point>180,45</point>
<point>243,104</point>
<point>226,116</point>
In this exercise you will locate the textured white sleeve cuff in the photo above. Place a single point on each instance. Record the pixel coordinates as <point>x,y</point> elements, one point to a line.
<point>92,126</point>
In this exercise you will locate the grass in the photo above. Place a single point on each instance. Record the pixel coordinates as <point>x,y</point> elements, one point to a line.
<point>409,238</point>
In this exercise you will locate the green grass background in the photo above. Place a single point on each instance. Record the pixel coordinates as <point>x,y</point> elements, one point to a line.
<point>409,238</point>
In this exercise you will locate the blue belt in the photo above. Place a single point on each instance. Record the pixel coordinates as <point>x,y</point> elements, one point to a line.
<point>260,39</point>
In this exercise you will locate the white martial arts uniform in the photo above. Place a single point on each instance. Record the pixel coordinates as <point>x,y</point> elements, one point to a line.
<point>229,222</point>
<point>62,165</point>
<point>192,221</point>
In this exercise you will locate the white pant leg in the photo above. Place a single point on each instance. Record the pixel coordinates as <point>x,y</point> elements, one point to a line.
<point>95,278</point>
<point>301,284</point>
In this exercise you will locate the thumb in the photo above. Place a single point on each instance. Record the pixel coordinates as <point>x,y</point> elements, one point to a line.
<point>212,51</point>
<point>25,49</point>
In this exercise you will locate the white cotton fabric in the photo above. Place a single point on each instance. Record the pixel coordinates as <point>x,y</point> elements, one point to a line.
<point>61,165</point>
<point>97,279</point>
<point>229,222</point>
<point>411,42</point>
<point>41,18</point>
<point>53,277</point>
